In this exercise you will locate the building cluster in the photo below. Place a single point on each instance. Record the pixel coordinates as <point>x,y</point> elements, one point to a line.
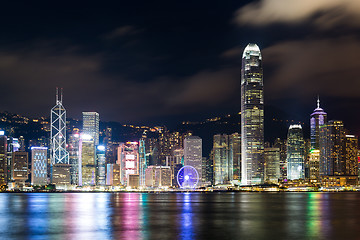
<point>81,158</point>
<point>329,159</point>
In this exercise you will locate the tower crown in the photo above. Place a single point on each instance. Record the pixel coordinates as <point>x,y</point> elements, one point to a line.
<point>252,49</point>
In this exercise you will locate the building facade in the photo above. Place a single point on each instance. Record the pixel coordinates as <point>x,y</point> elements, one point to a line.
<point>91,125</point>
<point>223,159</point>
<point>295,153</point>
<point>87,165</point>
<point>193,153</point>
<point>272,165</point>
<point>58,152</point>
<point>3,160</point>
<point>252,116</point>
<point>128,159</point>
<point>332,159</point>
<point>317,119</point>
<point>39,166</point>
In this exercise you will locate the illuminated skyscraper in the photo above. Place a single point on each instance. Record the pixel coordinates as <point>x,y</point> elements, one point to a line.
<point>252,116</point>
<point>143,163</point>
<point>295,153</point>
<point>235,148</point>
<point>272,165</point>
<point>128,159</point>
<point>317,119</point>
<point>3,159</point>
<point>39,165</point>
<point>87,169</point>
<point>193,153</point>
<point>223,160</point>
<point>91,125</point>
<point>12,146</point>
<point>351,151</point>
<point>314,165</point>
<point>332,160</point>
<point>19,167</point>
<point>281,144</point>
<point>100,165</point>
<point>74,156</point>
<point>59,155</point>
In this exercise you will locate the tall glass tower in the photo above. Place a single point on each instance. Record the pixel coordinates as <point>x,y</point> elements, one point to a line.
<point>91,125</point>
<point>59,155</point>
<point>252,116</point>
<point>317,119</point>
<point>295,153</point>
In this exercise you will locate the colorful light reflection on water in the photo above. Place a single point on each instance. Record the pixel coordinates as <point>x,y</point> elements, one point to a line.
<point>182,216</point>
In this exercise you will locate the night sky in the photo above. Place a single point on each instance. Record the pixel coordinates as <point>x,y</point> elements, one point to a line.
<point>161,62</point>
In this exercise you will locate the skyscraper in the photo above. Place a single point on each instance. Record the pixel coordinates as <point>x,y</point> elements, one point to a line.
<point>193,153</point>
<point>272,165</point>
<point>87,166</point>
<point>351,151</point>
<point>295,153</point>
<point>317,119</point>
<point>3,159</point>
<point>314,165</point>
<point>19,167</point>
<point>128,159</point>
<point>100,165</point>
<point>59,155</point>
<point>332,159</point>
<point>39,165</point>
<point>74,156</point>
<point>142,162</point>
<point>235,148</point>
<point>223,160</point>
<point>91,125</point>
<point>252,116</point>
<point>281,144</point>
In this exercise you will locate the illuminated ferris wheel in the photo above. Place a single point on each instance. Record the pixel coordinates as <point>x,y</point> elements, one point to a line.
<point>187,177</point>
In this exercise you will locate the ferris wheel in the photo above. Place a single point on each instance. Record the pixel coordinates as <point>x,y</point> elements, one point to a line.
<point>187,177</point>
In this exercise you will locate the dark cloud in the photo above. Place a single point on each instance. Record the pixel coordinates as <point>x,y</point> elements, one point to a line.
<point>324,13</point>
<point>122,31</point>
<point>307,68</point>
<point>29,78</point>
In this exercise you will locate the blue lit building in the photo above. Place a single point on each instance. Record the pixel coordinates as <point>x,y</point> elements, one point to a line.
<point>39,166</point>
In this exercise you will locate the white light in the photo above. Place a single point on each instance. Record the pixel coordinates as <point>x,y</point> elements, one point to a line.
<point>101,148</point>
<point>187,177</point>
<point>130,156</point>
<point>85,136</point>
<point>2,133</point>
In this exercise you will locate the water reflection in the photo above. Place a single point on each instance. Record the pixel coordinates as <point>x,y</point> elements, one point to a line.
<point>186,219</point>
<point>183,216</point>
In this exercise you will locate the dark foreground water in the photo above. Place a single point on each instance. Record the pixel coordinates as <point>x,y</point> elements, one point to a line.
<point>180,216</point>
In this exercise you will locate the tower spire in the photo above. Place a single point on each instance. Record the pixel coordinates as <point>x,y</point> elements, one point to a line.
<point>318,102</point>
<point>57,95</point>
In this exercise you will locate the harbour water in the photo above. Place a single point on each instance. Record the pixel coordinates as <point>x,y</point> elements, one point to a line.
<point>185,216</point>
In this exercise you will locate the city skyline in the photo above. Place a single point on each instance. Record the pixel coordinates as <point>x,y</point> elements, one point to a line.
<point>147,66</point>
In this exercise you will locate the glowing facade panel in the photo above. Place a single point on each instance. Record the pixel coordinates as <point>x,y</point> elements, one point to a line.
<point>39,166</point>
<point>252,117</point>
